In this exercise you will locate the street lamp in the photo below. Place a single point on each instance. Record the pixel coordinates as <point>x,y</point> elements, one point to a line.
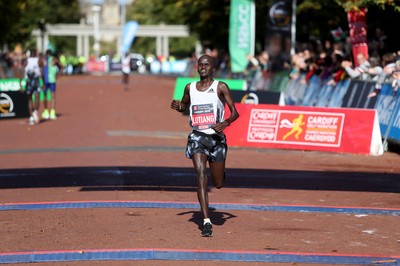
<point>96,27</point>
<point>42,28</point>
<point>123,4</point>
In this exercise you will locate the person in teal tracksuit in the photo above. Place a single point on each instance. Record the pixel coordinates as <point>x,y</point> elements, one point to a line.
<point>52,66</point>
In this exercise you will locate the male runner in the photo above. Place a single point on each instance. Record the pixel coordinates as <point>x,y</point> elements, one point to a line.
<point>33,87</point>
<point>52,66</point>
<point>207,142</point>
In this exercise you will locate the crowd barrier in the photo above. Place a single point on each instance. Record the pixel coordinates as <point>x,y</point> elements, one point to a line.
<point>388,108</point>
<point>348,93</point>
<point>341,130</point>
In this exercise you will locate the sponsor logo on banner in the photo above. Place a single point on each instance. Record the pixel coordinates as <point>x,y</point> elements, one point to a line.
<point>295,127</point>
<point>241,33</point>
<point>96,66</point>
<point>250,98</point>
<point>6,106</point>
<point>280,15</point>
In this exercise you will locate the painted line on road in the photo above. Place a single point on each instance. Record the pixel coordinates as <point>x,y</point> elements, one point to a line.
<point>193,205</point>
<point>135,148</point>
<point>94,149</point>
<point>148,134</point>
<point>198,255</point>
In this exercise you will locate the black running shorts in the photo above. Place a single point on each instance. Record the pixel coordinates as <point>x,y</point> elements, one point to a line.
<point>214,146</point>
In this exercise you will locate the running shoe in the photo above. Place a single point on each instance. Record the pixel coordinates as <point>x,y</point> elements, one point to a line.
<point>46,114</point>
<point>36,117</point>
<point>31,121</point>
<point>207,230</point>
<point>53,114</point>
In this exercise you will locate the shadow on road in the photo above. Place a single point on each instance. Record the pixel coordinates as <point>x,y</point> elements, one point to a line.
<point>183,179</point>
<point>218,217</point>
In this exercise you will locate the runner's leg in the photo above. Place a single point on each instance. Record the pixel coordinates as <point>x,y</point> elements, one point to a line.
<point>200,166</point>
<point>217,173</point>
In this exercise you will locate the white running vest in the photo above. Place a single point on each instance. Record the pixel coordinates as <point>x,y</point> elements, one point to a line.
<point>206,109</point>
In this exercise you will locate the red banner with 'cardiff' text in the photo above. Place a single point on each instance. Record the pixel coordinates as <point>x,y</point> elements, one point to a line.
<point>334,130</point>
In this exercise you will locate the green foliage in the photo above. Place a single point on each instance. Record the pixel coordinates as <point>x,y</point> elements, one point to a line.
<point>9,11</point>
<point>356,4</point>
<point>208,20</point>
<point>155,12</point>
<point>315,19</point>
<point>20,17</point>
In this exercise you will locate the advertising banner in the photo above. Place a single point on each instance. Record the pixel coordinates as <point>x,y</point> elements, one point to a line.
<point>279,34</point>
<point>357,95</point>
<point>128,35</point>
<point>241,33</point>
<point>332,130</point>
<point>96,66</point>
<point>13,102</point>
<point>358,32</point>
<point>233,84</point>
<point>256,97</point>
<point>12,84</point>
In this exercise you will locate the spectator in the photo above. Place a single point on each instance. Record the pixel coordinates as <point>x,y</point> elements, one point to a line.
<point>396,79</point>
<point>126,70</point>
<point>378,46</point>
<point>388,67</point>
<point>52,67</point>
<point>250,71</point>
<point>32,89</point>
<point>375,70</point>
<point>361,70</point>
<point>261,71</point>
<point>9,64</point>
<point>298,65</point>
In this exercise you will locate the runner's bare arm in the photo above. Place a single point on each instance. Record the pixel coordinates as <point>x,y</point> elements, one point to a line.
<point>225,94</point>
<point>182,105</point>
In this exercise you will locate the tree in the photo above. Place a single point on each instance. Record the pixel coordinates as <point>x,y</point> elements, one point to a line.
<point>20,17</point>
<point>354,5</point>
<point>9,10</point>
<point>208,20</point>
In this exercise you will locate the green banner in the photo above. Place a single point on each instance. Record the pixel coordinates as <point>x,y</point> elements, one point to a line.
<point>233,84</point>
<point>241,33</point>
<point>10,84</point>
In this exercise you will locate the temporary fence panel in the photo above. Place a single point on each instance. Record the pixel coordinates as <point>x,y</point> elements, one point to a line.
<point>388,108</point>
<point>338,93</point>
<point>279,81</point>
<point>312,91</point>
<point>295,90</point>
<point>357,95</point>
<point>324,95</point>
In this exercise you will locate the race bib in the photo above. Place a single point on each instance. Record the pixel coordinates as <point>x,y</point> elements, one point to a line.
<point>203,116</point>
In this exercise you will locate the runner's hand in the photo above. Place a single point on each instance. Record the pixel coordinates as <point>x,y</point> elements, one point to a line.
<point>219,127</point>
<point>176,105</point>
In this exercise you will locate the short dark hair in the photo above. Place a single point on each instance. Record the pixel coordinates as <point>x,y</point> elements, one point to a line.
<point>212,59</point>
